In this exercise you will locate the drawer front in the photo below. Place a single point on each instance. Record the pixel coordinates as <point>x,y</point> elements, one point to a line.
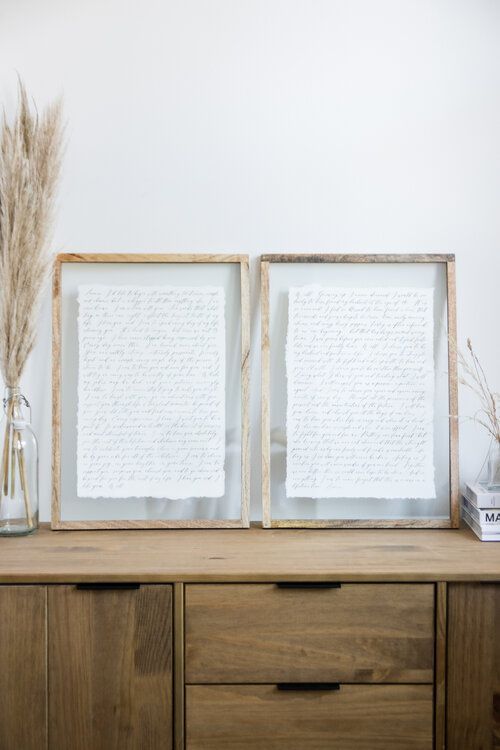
<point>261,717</point>
<point>246,633</point>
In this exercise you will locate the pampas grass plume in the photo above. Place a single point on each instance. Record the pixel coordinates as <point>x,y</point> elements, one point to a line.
<point>30,161</point>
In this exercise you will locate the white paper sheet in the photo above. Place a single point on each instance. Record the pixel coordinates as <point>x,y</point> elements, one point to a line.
<point>151,391</point>
<point>360,372</point>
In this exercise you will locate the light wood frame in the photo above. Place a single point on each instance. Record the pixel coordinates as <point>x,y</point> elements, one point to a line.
<point>454,511</point>
<point>244,520</point>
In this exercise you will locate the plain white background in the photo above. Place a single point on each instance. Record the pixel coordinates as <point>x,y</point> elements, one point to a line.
<point>272,125</point>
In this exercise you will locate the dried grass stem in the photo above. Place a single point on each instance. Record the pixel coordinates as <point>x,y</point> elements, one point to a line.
<point>30,160</point>
<point>474,378</point>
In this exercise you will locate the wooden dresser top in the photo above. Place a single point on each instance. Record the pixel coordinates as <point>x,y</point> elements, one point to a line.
<point>248,555</point>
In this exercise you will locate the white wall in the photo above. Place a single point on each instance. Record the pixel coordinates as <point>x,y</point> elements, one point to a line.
<point>273,125</point>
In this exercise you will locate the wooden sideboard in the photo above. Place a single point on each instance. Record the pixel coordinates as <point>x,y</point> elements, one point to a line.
<point>249,640</point>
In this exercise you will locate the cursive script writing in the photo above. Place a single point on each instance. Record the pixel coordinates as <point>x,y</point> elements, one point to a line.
<point>151,385</point>
<point>360,372</point>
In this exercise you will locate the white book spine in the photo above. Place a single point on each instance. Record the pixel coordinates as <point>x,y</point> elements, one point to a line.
<point>488,519</point>
<point>481,498</point>
<point>478,530</point>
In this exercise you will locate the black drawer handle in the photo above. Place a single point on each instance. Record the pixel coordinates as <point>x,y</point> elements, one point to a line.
<point>317,686</point>
<point>107,586</point>
<point>308,585</point>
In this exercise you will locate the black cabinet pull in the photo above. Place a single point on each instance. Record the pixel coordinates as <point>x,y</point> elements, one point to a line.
<point>308,686</point>
<point>107,586</point>
<point>308,585</point>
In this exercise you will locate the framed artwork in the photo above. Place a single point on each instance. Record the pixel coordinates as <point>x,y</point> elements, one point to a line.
<point>150,391</point>
<point>359,391</point>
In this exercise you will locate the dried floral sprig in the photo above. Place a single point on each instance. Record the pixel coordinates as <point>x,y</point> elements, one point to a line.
<point>30,160</point>
<point>474,378</point>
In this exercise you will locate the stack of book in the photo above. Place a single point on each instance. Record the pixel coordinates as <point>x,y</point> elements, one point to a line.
<point>481,511</point>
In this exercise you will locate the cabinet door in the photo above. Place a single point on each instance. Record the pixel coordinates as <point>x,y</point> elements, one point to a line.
<point>473,666</point>
<point>23,677</point>
<point>110,668</point>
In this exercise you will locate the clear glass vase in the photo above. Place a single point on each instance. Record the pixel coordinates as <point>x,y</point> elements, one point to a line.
<point>19,467</point>
<point>494,467</point>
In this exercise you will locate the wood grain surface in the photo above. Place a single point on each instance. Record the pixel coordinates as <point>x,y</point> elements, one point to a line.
<point>453,393</point>
<point>263,633</point>
<point>265,405</point>
<point>473,715</point>
<point>254,555</point>
<point>151,258</point>
<point>440,668</point>
<point>245,391</point>
<point>357,717</point>
<point>179,666</point>
<point>23,668</point>
<point>110,668</point>
<point>360,523</point>
<point>357,258</point>
<point>56,393</point>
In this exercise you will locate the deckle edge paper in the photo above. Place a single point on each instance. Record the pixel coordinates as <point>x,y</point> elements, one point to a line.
<point>360,393</point>
<point>151,392</point>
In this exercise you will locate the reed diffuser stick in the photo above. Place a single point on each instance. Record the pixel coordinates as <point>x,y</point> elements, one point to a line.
<point>24,482</point>
<point>6,451</point>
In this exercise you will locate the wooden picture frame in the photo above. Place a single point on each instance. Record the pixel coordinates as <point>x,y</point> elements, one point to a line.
<point>68,260</point>
<point>446,262</point>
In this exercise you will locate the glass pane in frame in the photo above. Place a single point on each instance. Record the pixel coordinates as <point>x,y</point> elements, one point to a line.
<point>292,511</point>
<point>227,510</point>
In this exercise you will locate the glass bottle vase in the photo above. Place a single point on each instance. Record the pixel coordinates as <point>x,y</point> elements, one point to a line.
<point>19,467</point>
<point>494,467</point>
